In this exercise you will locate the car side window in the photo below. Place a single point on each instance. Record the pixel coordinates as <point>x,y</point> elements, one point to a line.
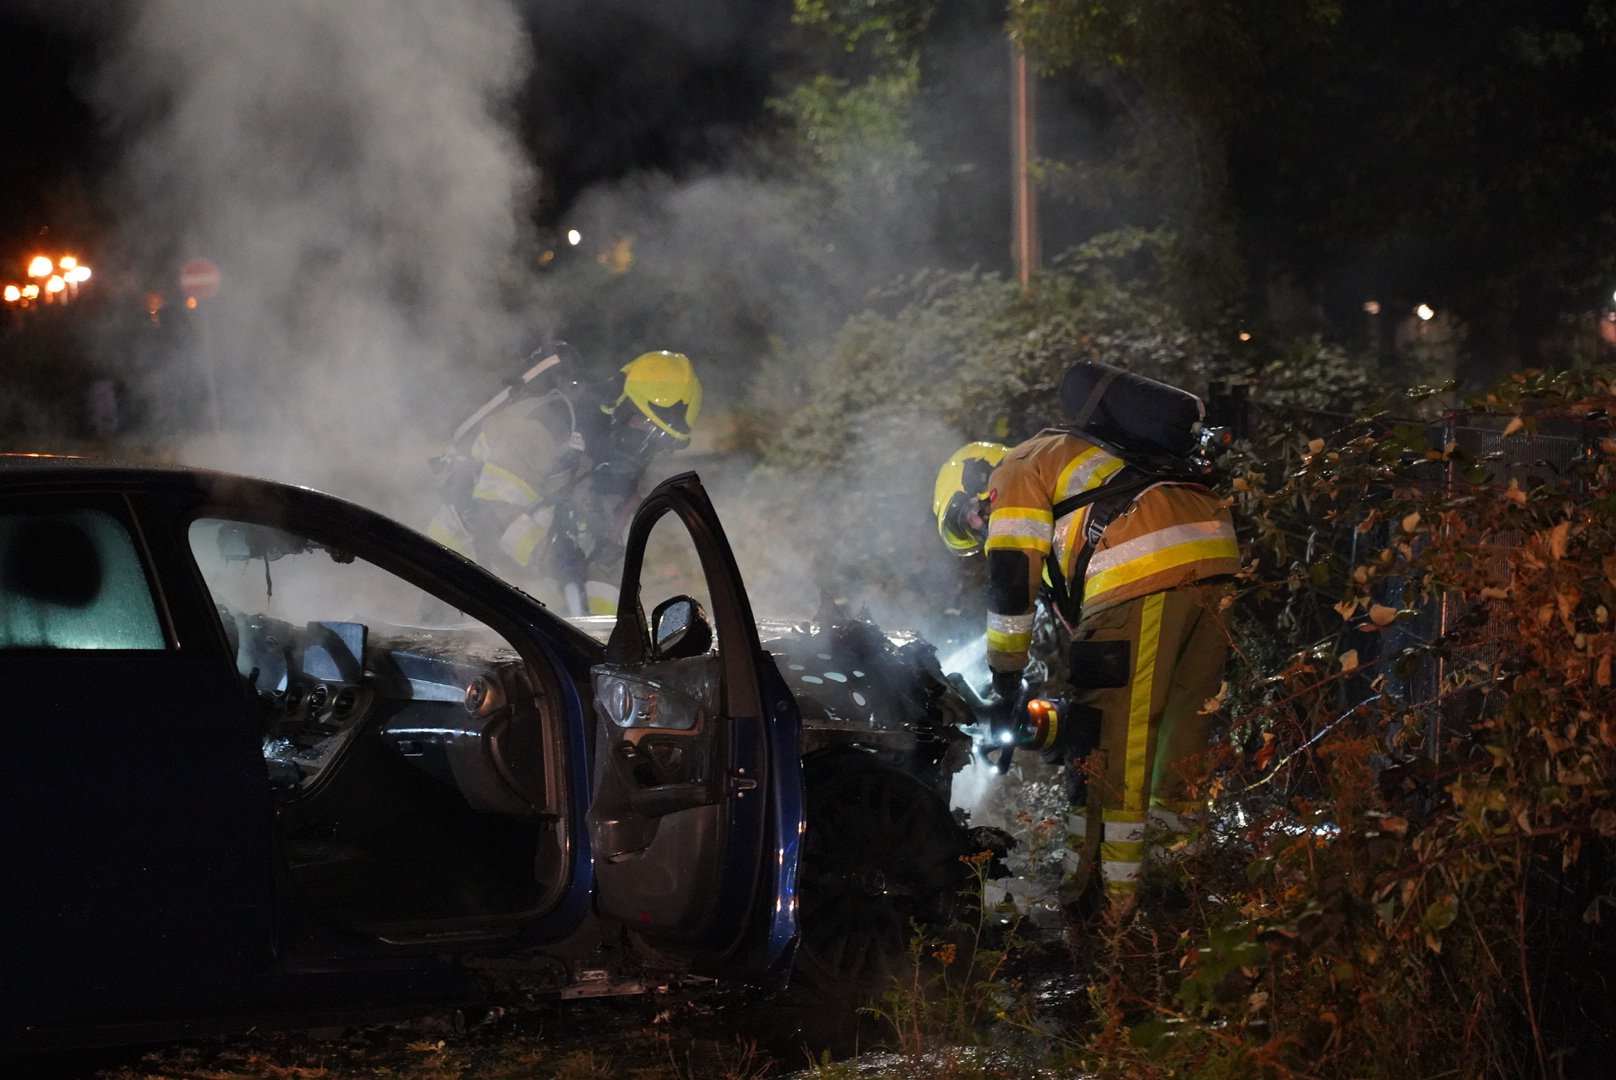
<point>327,639</point>
<point>672,566</point>
<point>73,580</point>
<point>683,686</point>
<point>280,574</point>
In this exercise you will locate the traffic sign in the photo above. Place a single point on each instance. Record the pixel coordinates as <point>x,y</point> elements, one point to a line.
<point>199,279</point>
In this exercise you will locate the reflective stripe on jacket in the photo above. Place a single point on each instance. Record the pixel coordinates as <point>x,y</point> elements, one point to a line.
<point>523,461</point>
<point>1173,534</point>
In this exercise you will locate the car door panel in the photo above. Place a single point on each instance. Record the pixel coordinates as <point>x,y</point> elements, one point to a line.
<point>135,834</point>
<point>688,818</point>
<point>664,761</point>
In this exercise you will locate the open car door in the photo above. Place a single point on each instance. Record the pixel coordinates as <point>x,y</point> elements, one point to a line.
<point>697,806</point>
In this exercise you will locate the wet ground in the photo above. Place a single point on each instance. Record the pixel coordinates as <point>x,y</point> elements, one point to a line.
<point>690,1034</point>
<point>687,1034</point>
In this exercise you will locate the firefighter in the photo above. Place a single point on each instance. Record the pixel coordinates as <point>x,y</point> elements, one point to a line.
<point>540,482</point>
<point>1147,645</point>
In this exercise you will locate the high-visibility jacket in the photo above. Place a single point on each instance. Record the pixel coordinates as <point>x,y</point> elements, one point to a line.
<point>1173,534</point>
<point>523,467</point>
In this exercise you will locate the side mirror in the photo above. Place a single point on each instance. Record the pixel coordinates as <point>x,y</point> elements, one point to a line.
<point>680,629</point>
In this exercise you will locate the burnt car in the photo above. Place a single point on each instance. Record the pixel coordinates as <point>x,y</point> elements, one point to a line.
<point>252,782</point>
<point>884,731</point>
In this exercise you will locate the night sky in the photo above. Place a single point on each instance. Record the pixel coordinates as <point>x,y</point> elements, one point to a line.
<point>618,86</point>
<point>51,151</point>
<point>622,85</point>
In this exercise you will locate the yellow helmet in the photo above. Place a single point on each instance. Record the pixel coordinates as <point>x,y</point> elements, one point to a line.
<point>663,386</point>
<point>962,484</point>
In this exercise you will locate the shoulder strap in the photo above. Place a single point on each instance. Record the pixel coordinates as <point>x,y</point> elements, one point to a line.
<point>1121,483</point>
<point>507,392</point>
<point>1108,501</point>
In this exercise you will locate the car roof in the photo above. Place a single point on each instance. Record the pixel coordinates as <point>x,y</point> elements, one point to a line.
<point>60,467</point>
<point>23,473</point>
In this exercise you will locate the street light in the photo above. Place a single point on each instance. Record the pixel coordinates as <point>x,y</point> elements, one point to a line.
<point>1425,312</point>
<point>57,280</point>
<point>75,275</point>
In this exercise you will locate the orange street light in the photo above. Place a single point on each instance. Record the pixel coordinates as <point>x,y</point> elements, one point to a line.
<point>30,291</point>
<point>13,294</point>
<point>78,275</point>
<point>40,266</point>
<point>66,262</point>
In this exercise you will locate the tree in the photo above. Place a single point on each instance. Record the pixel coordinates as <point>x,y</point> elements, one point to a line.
<point>1440,151</point>
<point>1162,84</point>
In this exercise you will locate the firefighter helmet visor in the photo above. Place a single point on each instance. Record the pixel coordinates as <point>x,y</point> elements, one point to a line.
<point>960,494</point>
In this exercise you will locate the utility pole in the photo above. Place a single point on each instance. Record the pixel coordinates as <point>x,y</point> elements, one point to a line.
<point>1023,199</point>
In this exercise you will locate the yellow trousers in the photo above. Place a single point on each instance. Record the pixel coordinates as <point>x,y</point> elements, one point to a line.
<point>1149,728</point>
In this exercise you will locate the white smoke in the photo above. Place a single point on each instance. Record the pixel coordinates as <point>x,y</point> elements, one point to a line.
<point>353,171</point>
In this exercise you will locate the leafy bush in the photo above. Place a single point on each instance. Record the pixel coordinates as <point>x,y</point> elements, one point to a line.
<point>985,355</point>
<point>1406,869</point>
<point>1410,875</point>
<point>939,359</point>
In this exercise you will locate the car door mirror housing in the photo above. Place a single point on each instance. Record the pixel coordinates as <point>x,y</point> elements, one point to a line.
<point>680,629</point>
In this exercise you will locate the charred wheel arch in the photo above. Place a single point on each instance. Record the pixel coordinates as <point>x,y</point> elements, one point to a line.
<point>881,856</point>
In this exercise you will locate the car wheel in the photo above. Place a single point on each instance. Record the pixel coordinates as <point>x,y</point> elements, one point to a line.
<point>880,859</point>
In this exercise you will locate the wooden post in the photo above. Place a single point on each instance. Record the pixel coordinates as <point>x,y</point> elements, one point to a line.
<point>1024,200</point>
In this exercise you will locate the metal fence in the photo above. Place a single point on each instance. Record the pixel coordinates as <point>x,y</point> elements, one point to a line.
<point>1530,458</point>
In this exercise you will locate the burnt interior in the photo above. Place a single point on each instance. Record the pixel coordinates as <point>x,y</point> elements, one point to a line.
<point>410,774</point>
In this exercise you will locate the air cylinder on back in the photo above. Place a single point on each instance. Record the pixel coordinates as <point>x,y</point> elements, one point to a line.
<point>1130,411</point>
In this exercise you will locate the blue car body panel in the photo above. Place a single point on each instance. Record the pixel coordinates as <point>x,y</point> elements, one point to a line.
<point>149,878</point>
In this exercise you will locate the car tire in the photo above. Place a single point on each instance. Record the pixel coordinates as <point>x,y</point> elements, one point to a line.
<point>880,862</point>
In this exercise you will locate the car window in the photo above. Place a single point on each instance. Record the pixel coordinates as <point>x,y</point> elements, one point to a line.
<point>672,566</point>
<point>307,622</point>
<point>73,580</point>
<point>284,575</point>
<point>676,692</point>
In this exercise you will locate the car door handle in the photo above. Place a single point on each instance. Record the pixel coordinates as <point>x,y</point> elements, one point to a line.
<point>657,801</point>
